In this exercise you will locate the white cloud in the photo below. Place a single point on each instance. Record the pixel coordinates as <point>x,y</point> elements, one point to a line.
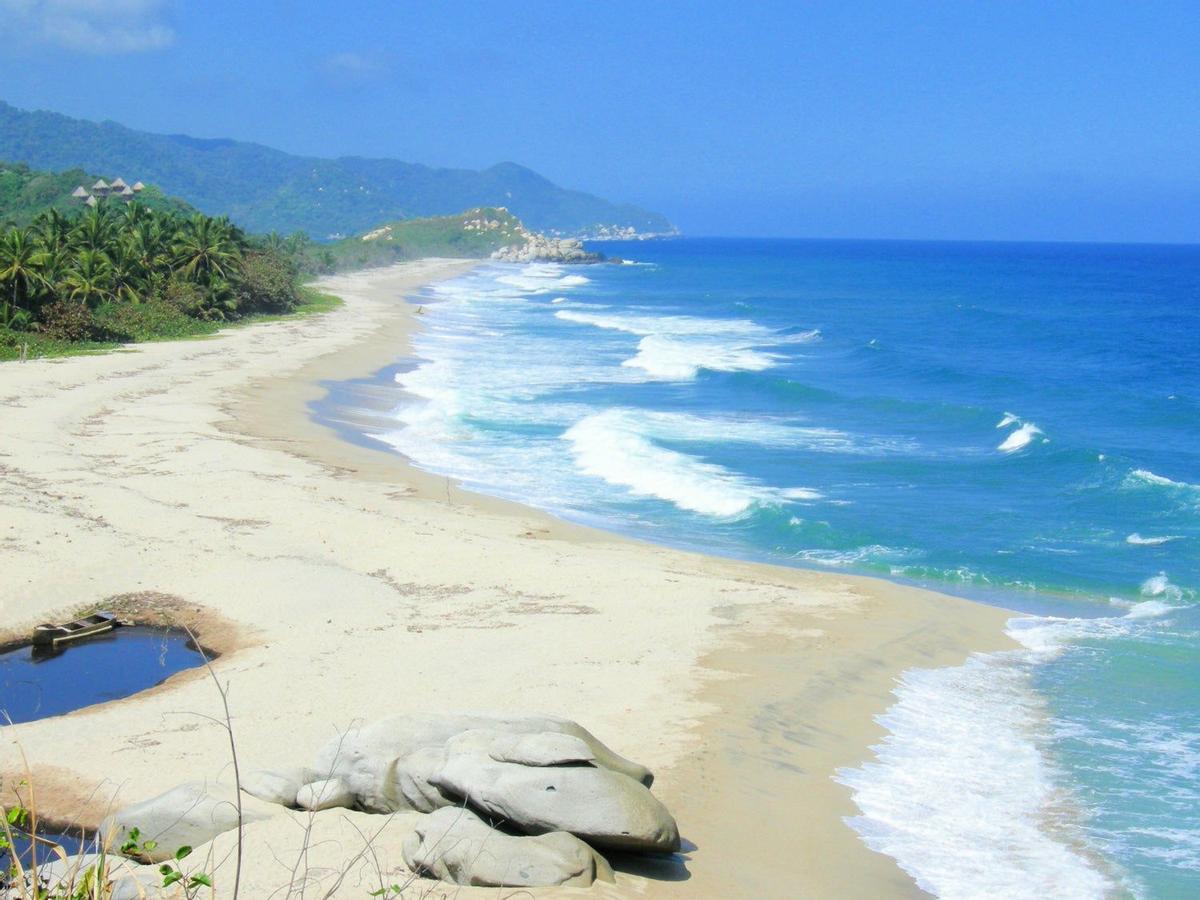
<point>95,26</point>
<point>352,68</point>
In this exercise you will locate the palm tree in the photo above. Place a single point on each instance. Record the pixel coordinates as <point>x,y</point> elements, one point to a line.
<point>207,248</point>
<point>94,230</point>
<point>151,245</point>
<point>89,280</point>
<point>126,273</point>
<point>134,215</point>
<point>18,273</point>
<point>53,230</point>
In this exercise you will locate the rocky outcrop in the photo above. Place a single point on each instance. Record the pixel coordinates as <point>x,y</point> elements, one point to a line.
<point>607,809</point>
<point>539,248</point>
<point>328,793</point>
<point>186,816</point>
<point>76,876</point>
<point>278,786</point>
<point>387,765</point>
<point>509,800</point>
<point>455,845</point>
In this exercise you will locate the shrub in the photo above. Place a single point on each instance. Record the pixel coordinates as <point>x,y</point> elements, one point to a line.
<point>266,283</point>
<point>67,320</point>
<point>155,318</point>
<point>186,296</point>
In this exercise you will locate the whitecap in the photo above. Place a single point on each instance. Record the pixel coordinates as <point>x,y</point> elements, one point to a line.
<point>672,359</point>
<point>1019,439</point>
<point>1145,476</point>
<point>609,446</point>
<point>1140,541</point>
<point>1009,419</point>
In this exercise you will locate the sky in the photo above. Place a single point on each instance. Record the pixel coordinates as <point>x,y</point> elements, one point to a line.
<point>954,120</point>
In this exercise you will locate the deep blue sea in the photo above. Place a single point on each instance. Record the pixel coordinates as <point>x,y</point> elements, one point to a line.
<point>1016,423</point>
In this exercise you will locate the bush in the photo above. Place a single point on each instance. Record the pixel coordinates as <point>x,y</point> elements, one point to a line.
<point>266,284</point>
<point>156,318</point>
<point>186,296</point>
<point>67,320</point>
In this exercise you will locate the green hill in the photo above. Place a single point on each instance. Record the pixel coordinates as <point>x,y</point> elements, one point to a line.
<point>268,190</point>
<point>473,234</point>
<point>25,192</point>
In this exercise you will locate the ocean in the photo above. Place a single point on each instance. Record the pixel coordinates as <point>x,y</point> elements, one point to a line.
<point>1014,423</point>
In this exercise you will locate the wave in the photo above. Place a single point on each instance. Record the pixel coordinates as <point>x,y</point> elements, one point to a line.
<point>611,446</point>
<point>960,793</point>
<point>671,359</point>
<point>1137,540</point>
<point>1019,439</point>
<point>1143,477</point>
<point>851,557</point>
<point>667,325</point>
<point>676,348</point>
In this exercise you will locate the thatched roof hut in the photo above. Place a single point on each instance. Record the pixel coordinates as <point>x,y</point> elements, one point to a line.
<point>79,193</point>
<point>100,187</point>
<point>117,185</point>
<point>138,187</point>
<point>91,201</point>
<point>127,193</point>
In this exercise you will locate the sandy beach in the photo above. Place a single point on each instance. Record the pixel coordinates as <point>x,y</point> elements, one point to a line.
<point>339,584</point>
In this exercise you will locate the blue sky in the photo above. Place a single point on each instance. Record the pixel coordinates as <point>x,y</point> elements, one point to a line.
<point>1058,121</point>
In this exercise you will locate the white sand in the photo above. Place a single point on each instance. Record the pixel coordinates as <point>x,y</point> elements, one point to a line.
<point>343,585</point>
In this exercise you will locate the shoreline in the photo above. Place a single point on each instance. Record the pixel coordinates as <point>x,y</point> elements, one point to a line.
<point>478,583</point>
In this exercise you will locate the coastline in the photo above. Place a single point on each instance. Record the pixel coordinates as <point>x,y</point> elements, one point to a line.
<point>744,686</point>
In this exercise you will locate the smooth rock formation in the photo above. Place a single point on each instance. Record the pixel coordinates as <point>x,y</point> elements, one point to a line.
<point>330,793</point>
<point>605,808</point>
<point>126,879</point>
<point>371,760</point>
<point>455,845</point>
<point>189,815</point>
<point>278,786</point>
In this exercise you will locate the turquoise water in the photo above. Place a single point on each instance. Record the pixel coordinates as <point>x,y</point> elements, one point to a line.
<point>1013,423</point>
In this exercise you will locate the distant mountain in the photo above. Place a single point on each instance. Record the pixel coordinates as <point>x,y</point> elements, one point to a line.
<point>263,189</point>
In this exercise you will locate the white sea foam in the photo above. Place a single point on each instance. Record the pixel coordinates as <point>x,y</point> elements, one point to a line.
<point>1142,477</point>
<point>1009,419</point>
<point>672,325</point>
<point>960,793</point>
<point>850,557</point>
<point>613,446</point>
<point>673,359</point>
<point>1019,439</point>
<point>1138,540</point>
<point>676,348</point>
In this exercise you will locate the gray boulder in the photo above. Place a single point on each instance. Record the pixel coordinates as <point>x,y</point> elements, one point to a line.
<point>189,815</point>
<point>124,878</point>
<point>371,759</point>
<point>278,786</point>
<point>455,845</point>
<point>605,808</point>
<point>330,793</point>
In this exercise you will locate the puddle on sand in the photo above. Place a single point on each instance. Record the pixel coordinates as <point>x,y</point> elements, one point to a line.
<point>37,684</point>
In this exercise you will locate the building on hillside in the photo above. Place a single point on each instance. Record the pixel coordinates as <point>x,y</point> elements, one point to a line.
<point>101,189</point>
